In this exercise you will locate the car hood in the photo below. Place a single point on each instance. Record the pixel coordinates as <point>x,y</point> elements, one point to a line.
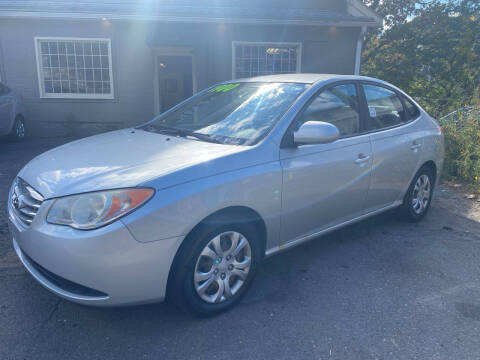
<point>123,158</point>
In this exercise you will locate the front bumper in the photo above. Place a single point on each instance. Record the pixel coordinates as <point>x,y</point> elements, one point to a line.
<point>103,267</point>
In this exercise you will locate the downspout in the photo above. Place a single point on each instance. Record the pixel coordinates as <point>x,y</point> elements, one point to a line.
<point>358,54</point>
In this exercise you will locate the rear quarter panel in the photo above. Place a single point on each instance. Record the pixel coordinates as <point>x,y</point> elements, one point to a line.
<point>433,146</point>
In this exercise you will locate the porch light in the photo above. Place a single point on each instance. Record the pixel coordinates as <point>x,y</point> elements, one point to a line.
<point>275,51</point>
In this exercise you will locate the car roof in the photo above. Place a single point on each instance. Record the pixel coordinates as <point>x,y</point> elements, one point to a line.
<point>304,78</point>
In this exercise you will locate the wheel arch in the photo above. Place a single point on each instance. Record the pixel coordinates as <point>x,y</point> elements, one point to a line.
<point>12,123</point>
<point>431,164</point>
<point>428,164</point>
<point>227,215</point>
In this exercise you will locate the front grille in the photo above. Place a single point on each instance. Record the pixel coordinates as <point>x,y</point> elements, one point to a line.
<point>63,283</point>
<point>25,201</point>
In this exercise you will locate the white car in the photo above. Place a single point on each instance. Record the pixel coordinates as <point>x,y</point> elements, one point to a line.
<point>12,114</point>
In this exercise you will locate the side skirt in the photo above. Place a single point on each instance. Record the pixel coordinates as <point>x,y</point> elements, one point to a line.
<point>293,243</point>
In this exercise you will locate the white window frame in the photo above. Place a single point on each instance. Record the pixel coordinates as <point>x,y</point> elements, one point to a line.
<point>41,86</point>
<point>273,44</point>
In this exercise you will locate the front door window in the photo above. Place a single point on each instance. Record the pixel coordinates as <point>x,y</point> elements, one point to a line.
<point>338,106</point>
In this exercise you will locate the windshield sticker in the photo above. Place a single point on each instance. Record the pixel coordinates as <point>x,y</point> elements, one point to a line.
<point>224,87</point>
<point>373,112</point>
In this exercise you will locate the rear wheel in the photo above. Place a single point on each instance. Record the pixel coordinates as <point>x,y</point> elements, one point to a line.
<point>419,196</point>
<point>18,130</point>
<point>215,268</point>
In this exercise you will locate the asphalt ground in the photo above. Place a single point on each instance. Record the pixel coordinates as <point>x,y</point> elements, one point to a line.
<point>379,289</point>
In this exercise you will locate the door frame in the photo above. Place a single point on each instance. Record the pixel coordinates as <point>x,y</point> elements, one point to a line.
<point>171,51</point>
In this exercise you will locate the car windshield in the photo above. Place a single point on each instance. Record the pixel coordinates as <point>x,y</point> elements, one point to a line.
<point>237,113</point>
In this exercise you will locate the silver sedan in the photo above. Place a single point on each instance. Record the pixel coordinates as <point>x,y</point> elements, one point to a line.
<point>12,114</point>
<point>186,206</point>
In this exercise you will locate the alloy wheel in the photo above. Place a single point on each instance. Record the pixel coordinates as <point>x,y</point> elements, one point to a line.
<point>19,129</point>
<point>421,194</point>
<point>222,267</point>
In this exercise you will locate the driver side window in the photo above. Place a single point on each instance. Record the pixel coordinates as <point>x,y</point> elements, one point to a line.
<point>338,106</point>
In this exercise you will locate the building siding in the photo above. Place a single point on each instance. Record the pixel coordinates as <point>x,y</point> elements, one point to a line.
<point>325,50</point>
<point>132,65</point>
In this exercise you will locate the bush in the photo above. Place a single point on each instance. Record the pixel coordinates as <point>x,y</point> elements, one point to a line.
<point>462,147</point>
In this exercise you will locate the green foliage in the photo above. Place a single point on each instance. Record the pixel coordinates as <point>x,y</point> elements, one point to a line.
<point>429,49</point>
<point>462,148</point>
<point>393,12</point>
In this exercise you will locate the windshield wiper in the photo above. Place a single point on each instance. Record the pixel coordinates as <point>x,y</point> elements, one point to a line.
<point>183,133</point>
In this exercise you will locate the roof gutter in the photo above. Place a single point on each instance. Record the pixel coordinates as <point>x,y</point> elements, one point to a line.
<point>358,53</point>
<point>186,19</point>
<point>357,8</point>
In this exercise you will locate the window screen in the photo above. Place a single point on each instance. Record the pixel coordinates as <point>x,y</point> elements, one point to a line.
<point>75,68</point>
<point>255,59</point>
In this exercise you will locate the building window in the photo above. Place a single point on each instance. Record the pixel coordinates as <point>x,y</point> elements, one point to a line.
<point>255,59</point>
<point>74,68</point>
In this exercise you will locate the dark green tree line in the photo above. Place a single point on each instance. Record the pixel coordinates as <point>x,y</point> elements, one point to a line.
<point>431,49</point>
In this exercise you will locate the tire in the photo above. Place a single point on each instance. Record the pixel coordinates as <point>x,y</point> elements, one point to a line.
<point>18,130</point>
<point>419,195</point>
<point>189,286</point>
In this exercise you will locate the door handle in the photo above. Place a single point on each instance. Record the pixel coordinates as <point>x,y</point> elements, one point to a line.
<point>362,159</point>
<point>416,146</point>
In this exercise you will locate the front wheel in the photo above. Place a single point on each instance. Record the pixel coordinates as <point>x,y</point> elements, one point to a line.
<point>215,268</point>
<point>18,130</point>
<point>419,195</point>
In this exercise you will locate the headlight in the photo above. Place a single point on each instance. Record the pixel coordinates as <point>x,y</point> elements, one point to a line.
<point>92,210</point>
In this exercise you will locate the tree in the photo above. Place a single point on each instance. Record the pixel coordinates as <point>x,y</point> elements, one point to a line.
<point>393,13</point>
<point>431,50</point>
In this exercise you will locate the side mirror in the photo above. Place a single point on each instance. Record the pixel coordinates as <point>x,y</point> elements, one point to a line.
<point>315,132</point>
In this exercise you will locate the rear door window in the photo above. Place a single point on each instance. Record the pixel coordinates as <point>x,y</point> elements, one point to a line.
<point>385,109</point>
